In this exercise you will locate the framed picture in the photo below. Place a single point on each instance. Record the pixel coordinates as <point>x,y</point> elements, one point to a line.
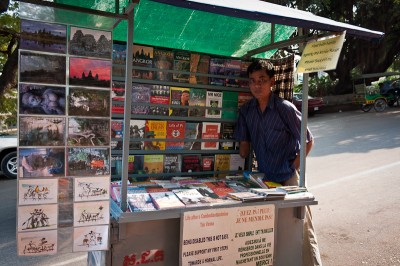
<point>88,102</point>
<point>41,162</point>
<point>88,132</point>
<point>41,131</point>
<point>89,72</point>
<point>37,99</point>
<point>88,161</point>
<point>90,43</point>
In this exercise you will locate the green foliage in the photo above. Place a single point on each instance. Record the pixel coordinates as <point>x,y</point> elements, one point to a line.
<point>319,86</point>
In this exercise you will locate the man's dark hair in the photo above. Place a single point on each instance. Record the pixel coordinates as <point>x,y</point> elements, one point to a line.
<point>260,65</point>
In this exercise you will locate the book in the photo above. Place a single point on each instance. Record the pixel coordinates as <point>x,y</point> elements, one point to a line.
<point>232,71</point>
<point>142,57</point>
<point>140,98</point>
<point>199,67</point>
<point>229,105</point>
<point>192,131</point>
<point>153,163</point>
<point>130,190</point>
<point>175,131</point>
<point>227,134</point>
<point>136,164</point>
<point>244,81</point>
<point>207,162</point>
<point>116,165</point>
<point>255,178</point>
<point>210,130</point>
<point>222,163</point>
<point>246,196</point>
<point>163,61</point>
<point>137,130</point>
<point>166,200</point>
<point>191,163</point>
<point>244,97</point>
<point>239,185</point>
<point>118,97</point>
<point>191,197</point>
<point>269,193</point>
<point>119,53</point>
<point>291,189</point>
<point>220,188</point>
<point>179,97</point>
<point>117,128</point>
<point>217,68</point>
<point>155,129</point>
<point>236,162</point>
<point>159,100</point>
<point>214,104</point>
<point>156,189</point>
<point>197,98</point>
<point>181,63</point>
<point>140,202</point>
<point>172,163</point>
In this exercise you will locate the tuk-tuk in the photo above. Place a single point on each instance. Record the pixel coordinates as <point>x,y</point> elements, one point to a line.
<point>368,96</point>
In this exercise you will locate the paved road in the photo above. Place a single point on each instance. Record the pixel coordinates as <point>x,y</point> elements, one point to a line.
<point>353,171</point>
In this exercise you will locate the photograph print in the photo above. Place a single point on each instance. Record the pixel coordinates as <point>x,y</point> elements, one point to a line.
<point>37,243</point>
<point>90,43</point>
<point>88,161</point>
<point>41,36</point>
<point>42,68</point>
<point>41,162</point>
<point>89,72</point>
<point>37,99</point>
<point>41,131</point>
<point>87,102</point>
<point>37,191</point>
<point>88,132</point>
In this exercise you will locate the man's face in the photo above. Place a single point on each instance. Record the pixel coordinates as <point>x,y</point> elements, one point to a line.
<point>185,97</point>
<point>260,84</point>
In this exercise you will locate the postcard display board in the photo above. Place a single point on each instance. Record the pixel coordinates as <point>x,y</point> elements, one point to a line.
<point>64,139</point>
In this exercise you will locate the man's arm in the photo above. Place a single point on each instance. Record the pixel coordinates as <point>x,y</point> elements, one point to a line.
<point>244,149</point>
<point>296,162</point>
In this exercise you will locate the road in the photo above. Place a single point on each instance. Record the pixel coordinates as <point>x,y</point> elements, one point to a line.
<point>353,172</point>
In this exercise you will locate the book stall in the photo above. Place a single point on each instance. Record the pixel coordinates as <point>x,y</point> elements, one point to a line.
<point>129,109</point>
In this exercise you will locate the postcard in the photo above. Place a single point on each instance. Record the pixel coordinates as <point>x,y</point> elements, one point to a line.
<point>37,99</point>
<point>89,72</point>
<point>41,131</point>
<point>91,188</point>
<point>91,213</point>
<point>89,42</point>
<point>87,102</point>
<point>88,161</point>
<point>41,162</point>
<point>37,243</point>
<point>91,238</point>
<point>37,217</point>
<point>88,132</point>
<point>37,191</point>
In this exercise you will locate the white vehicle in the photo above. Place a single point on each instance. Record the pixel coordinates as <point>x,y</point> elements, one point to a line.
<point>8,156</point>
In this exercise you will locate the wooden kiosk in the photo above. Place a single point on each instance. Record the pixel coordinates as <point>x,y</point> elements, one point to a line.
<point>232,28</point>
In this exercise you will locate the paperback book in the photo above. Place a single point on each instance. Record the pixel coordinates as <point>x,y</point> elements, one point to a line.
<point>179,97</point>
<point>217,68</point>
<point>222,164</point>
<point>159,100</point>
<point>227,134</point>
<point>175,135</point>
<point>172,163</point>
<point>220,188</point>
<point>137,129</point>
<point>155,129</point>
<point>232,71</point>
<point>142,57</point>
<point>117,97</point>
<point>214,104</point>
<point>244,81</point>
<point>192,132</point>
<point>236,162</point>
<point>182,64</point>
<point>191,163</point>
<point>207,162</point>
<point>140,202</point>
<point>246,196</point>
<point>191,197</point>
<point>197,102</point>
<point>163,61</point>
<point>166,200</point>
<point>153,163</point>
<point>210,131</point>
<point>117,128</point>
<point>199,67</point>
<point>140,99</point>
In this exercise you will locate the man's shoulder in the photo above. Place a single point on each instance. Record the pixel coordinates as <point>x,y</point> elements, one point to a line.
<point>283,104</point>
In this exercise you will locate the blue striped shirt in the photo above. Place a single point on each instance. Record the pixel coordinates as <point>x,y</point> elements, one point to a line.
<point>274,136</point>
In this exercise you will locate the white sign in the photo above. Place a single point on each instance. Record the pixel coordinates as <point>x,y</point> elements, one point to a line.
<point>321,55</point>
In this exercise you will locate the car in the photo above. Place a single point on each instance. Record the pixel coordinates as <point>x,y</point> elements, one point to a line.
<point>391,89</point>
<point>8,156</point>
<point>315,104</point>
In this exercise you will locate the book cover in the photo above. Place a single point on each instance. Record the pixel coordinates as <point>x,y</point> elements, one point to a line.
<point>166,200</point>
<point>207,162</point>
<point>116,165</point>
<point>227,134</point>
<point>181,63</point>
<point>140,202</point>
<point>192,131</point>
<point>214,104</point>
<point>191,197</point>
<point>239,186</point>
<point>204,190</point>
<point>191,163</point>
<point>142,57</point>
<point>244,97</point>
<point>175,131</point>
<point>229,105</point>
<point>199,67</point>
<point>159,100</point>
<point>210,131</point>
<point>153,163</point>
<point>236,162</point>
<point>119,53</point>
<point>172,163</point>
<point>136,164</point>
<point>197,98</point>
<point>130,190</point>
<point>244,81</point>
<point>232,71</point>
<point>117,97</point>
<point>179,97</point>
<point>222,163</point>
<point>155,129</point>
<point>163,61</point>
<point>140,98</point>
<point>246,196</point>
<point>220,188</point>
<point>117,128</point>
<point>137,129</point>
<point>217,67</point>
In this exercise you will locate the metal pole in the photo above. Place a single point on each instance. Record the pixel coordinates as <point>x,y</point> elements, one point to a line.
<point>303,134</point>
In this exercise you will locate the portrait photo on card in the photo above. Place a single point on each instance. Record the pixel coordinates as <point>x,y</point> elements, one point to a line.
<point>37,217</point>
<point>42,68</point>
<point>91,238</point>
<point>88,132</point>
<point>89,72</point>
<point>41,162</point>
<point>41,131</point>
<point>91,188</point>
<point>42,36</point>
<point>88,102</point>
<point>37,191</point>
<point>91,213</point>
<point>88,161</point>
<point>37,99</point>
<point>90,43</point>
<point>37,243</point>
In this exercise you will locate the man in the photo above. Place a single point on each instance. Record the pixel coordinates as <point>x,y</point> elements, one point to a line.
<point>273,125</point>
<point>184,101</point>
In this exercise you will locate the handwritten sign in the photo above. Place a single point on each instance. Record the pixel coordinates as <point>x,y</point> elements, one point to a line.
<point>321,55</point>
<point>228,236</point>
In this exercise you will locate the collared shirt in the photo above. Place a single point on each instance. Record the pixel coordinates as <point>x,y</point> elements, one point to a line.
<point>274,135</point>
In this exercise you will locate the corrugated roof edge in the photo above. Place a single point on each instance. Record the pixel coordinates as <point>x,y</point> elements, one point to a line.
<point>308,20</point>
